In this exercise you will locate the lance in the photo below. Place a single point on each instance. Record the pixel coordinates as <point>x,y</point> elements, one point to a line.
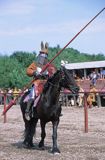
<point>46,66</point>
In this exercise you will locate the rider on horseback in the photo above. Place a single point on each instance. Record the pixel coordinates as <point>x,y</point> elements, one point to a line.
<point>34,70</point>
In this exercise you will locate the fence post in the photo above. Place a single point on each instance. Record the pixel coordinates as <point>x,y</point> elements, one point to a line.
<point>85,113</point>
<point>5,116</point>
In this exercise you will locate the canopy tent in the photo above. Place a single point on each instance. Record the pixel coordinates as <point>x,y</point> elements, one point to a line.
<point>85,65</point>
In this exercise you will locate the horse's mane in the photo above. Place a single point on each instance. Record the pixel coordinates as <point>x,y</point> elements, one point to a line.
<point>49,81</point>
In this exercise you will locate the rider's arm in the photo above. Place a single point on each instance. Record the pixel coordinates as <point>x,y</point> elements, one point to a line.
<point>31,69</point>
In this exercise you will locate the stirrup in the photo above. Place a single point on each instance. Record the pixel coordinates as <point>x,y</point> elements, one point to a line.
<point>27,116</point>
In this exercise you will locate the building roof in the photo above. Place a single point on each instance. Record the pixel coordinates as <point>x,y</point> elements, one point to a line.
<point>85,65</point>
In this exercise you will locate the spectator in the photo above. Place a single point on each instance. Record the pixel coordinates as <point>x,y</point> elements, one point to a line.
<point>80,96</point>
<point>93,77</point>
<point>91,99</point>
<point>9,95</point>
<point>102,73</point>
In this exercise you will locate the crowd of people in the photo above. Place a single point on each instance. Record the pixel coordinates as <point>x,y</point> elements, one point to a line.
<point>11,94</point>
<point>92,74</point>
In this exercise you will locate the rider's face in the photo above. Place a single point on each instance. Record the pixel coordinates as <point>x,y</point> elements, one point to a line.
<point>42,60</point>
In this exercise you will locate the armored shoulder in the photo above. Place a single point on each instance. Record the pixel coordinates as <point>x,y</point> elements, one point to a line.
<point>31,69</point>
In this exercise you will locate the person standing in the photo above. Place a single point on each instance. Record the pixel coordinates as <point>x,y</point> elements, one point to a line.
<point>94,76</point>
<point>91,99</point>
<point>80,96</point>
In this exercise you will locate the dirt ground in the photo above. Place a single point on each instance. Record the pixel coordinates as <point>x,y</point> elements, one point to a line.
<point>73,142</point>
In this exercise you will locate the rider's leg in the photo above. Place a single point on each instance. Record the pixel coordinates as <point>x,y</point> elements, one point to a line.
<point>29,103</point>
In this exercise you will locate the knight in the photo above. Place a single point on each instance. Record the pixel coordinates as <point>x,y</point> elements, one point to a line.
<point>34,70</point>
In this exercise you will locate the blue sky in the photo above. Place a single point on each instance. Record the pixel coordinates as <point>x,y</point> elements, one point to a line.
<point>25,23</point>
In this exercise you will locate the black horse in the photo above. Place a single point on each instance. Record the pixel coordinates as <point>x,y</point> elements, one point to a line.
<point>48,108</point>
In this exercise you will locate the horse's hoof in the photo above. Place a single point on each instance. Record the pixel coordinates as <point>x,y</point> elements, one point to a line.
<point>55,151</point>
<point>32,146</point>
<point>42,148</point>
<point>28,146</point>
<point>24,145</point>
<point>41,145</point>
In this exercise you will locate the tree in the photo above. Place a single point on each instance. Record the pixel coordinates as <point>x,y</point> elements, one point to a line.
<point>25,58</point>
<point>12,73</point>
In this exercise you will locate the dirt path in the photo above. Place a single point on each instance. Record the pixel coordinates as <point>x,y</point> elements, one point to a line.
<point>74,144</point>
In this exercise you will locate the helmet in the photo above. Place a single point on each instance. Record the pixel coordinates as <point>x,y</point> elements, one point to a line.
<point>44,50</point>
<point>43,54</point>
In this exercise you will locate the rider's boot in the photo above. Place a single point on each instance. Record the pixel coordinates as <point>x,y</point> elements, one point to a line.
<point>27,111</point>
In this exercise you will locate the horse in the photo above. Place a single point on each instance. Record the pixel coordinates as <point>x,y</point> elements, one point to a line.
<point>48,108</point>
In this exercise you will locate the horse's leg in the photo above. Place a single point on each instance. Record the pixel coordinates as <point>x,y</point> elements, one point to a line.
<point>33,124</point>
<point>30,127</point>
<point>27,137</point>
<point>43,134</point>
<point>54,137</point>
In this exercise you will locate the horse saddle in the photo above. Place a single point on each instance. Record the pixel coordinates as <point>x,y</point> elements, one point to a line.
<point>36,100</point>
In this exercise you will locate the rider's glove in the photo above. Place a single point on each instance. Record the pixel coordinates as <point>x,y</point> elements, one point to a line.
<point>36,74</point>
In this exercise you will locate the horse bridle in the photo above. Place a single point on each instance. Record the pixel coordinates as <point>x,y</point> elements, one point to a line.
<point>72,88</point>
<point>54,85</point>
<point>62,77</point>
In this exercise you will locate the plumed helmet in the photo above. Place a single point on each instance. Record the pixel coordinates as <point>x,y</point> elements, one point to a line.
<point>44,49</point>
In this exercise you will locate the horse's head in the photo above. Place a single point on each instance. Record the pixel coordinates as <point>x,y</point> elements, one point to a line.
<point>62,78</point>
<point>53,81</point>
<point>67,81</point>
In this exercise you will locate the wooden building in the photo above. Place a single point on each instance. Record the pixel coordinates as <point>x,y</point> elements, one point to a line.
<point>84,68</point>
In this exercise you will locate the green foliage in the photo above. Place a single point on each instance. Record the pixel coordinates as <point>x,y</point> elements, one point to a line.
<point>13,68</point>
<point>24,58</point>
<point>72,56</point>
<point>12,73</point>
